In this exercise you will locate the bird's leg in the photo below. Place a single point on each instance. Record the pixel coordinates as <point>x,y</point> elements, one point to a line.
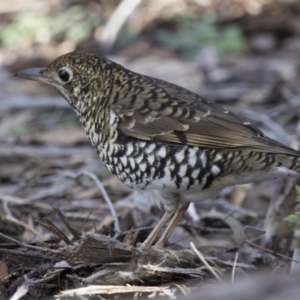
<point>152,236</point>
<point>175,219</point>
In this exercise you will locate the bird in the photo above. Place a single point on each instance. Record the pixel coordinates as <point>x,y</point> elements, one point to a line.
<point>167,143</point>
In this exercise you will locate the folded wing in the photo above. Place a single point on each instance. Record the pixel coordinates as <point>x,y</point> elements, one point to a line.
<point>169,114</point>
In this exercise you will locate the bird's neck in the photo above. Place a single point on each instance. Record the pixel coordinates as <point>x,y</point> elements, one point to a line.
<point>100,121</point>
<point>101,128</point>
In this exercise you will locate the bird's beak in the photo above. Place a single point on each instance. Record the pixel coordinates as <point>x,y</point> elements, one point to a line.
<point>36,74</point>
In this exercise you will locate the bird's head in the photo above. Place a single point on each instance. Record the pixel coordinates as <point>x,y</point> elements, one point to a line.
<point>81,78</point>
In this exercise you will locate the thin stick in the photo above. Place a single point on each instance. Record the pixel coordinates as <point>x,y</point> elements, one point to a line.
<point>6,209</point>
<point>25,245</point>
<point>234,266</point>
<point>116,21</point>
<point>105,196</point>
<point>23,289</point>
<point>32,282</point>
<point>27,227</point>
<point>201,257</point>
<point>246,240</point>
<point>270,251</point>
<point>26,254</point>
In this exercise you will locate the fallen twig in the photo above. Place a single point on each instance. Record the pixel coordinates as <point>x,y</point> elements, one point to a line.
<point>104,194</point>
<point>234,266</point>
<point>246,240</point>
<point>44,151</point>
<point>26,245</point>
<point>116,21</point>
<point>114,289</point>
<point>27,227</point>
<point>26,254</point>
<point>200,256</point>
<point>23,289</point>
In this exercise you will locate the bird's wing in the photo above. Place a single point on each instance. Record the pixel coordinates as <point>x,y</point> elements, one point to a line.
<point>157,110</point>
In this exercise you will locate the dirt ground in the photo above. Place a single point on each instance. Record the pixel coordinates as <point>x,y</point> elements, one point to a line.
<point>58,236</point>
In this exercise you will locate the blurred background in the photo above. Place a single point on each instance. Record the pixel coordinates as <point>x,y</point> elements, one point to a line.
<point>242,54</point>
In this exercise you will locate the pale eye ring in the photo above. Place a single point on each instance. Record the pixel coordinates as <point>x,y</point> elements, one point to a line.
<point>64,74</point>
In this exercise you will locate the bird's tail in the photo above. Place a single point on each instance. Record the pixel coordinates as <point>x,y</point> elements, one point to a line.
<point>252,166</point>
<point>291,162</point>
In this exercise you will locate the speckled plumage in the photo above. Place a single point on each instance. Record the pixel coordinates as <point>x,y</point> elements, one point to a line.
<point>161,139</point>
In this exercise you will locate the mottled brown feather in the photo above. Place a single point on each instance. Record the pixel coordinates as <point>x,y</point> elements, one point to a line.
<point>204,124</point>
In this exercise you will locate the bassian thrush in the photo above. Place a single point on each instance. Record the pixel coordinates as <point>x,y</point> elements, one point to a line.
<point>162,140</point>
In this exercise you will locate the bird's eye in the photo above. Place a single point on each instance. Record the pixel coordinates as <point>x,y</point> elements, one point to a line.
<point>64,75</point>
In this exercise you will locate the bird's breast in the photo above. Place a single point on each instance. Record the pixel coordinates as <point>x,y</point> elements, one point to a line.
<point>145,165</point>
